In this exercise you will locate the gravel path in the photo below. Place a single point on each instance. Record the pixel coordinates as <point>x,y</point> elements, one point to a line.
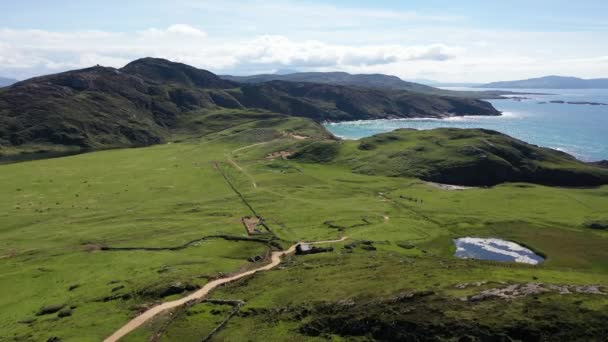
<point>144,317</point>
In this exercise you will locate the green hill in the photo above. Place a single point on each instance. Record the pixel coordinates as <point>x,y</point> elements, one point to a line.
<point>326,102</point>
<point>476,157</point>
<point>150,101</point>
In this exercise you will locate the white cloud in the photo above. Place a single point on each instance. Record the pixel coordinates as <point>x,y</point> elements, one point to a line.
<point>279,50</point>
<point>252,36</point>
<point>186,30</point>
<point>441,53</point>
<point>28,52</point>
<point>173,31</point>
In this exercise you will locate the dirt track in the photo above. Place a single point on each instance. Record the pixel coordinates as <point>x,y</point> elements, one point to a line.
<point>141,319</point>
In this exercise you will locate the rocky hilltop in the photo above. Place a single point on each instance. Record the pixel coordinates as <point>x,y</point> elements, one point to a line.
<point>471,157</point>
<point>142,103</point>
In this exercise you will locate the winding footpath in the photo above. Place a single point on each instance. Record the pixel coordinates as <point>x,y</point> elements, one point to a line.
<point>147,315</point>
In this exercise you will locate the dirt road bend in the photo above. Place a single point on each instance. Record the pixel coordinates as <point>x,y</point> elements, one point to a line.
<point>154,311</point>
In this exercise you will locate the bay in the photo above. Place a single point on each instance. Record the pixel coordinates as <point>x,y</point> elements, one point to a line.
<point>578,129</point>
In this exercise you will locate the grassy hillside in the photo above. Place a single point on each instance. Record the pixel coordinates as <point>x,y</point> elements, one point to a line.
<point>63,220</point>
<point>323,102</point>
<point>147,101</point>
<point>475,157</point>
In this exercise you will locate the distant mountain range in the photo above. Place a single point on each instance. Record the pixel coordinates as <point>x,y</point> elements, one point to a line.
<point>5,82</point>
<point>434,83</point>
<point>339,78</point>
<point>551,82</point>
<point>378,81</point>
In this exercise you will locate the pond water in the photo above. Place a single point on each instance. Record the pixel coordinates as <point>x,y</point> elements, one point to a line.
<point>495,250</point>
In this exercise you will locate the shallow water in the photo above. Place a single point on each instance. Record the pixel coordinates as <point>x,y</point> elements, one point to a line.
<point>581,130</point>
<point>495,250</point>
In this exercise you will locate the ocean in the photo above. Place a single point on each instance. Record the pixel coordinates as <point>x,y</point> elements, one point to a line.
<point>580,130</point>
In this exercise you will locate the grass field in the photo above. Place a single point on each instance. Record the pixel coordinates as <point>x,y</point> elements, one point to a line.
<point>59,216</point>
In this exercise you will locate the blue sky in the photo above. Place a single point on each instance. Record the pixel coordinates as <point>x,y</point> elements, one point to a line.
<point>446,40</point>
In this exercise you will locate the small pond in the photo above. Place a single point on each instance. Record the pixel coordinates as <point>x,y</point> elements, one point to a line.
<point>495,250</point>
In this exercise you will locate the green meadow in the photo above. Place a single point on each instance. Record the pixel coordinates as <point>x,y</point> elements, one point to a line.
<point>104,235</point>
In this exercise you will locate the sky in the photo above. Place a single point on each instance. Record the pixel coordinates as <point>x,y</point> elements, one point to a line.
<point>449,41</point>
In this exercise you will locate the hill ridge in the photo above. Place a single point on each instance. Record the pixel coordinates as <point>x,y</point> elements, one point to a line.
<point>150,99</point>
<point>551,82</point>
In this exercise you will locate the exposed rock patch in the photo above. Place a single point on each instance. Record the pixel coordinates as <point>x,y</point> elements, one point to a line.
<point>467,285</point>
<point>280,154</point>
<point>449,187</point>
<point>521,290</point>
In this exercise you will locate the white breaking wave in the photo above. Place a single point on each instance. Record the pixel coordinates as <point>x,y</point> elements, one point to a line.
<point>394,122</point>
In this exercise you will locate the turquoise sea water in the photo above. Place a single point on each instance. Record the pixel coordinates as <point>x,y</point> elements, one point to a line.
<point>581,130</point>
